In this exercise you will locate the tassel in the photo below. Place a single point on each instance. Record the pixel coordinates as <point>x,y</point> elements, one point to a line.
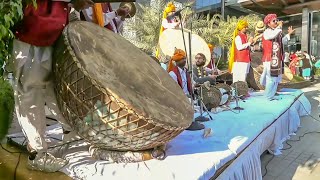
<point>98,14</point>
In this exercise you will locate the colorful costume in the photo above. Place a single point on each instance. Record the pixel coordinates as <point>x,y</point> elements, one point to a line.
<point>272,58</point>
<point>211,65</point>
<point>239,60</point>
<point>103,15</point>
<point>167,23</point>
<point>180,75</point>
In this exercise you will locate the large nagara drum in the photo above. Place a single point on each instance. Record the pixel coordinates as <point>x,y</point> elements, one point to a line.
<point>113,94</point>
<point>172,38</point>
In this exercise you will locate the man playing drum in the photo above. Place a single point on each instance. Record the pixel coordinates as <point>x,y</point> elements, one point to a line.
<point>201,73</point>
<point>102,14</point>
<point>239,61</point>
<point>41,26</point>
<point>180,74</point>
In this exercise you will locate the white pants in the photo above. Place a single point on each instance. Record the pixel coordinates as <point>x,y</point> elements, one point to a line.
<point>270,83</point>
<point>240,71</point>
<point>33,88</point>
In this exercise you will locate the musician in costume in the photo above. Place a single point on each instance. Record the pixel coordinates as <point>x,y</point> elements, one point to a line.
<point>202,74</point>
<point>258,33</point>
<point>32,52</point>
<point>211,65</point>
<point>273,54</point>
<point>168,21</point>
<point>179,73</point>
<point>103,15</point>
<point>239,60</point>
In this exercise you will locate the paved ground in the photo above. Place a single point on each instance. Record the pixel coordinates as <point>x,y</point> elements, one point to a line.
<point>302,160</point>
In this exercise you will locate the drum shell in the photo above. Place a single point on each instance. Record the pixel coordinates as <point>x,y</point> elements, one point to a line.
<point>97,114</point>
<point>211,97</point>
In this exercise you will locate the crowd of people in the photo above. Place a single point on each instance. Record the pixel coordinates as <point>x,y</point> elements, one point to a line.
<point>301,64</point>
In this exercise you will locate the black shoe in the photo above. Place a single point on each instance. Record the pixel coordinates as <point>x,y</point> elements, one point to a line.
<point>195,126</point>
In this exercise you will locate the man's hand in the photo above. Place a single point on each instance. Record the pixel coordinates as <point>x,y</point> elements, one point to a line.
<point>82,4</point>
<point>213,76</point>
<point>257,38</point>
<point>290,30</point>
<point>123,11</point>
<point>178,23</point>
<point>250,40</point>
<point>280,24</point>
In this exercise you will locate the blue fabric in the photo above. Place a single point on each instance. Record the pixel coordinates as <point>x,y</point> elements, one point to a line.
<point>306,72</point>
<point>317,64</point>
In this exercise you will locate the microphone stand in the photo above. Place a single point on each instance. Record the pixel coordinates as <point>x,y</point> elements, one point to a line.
<point>201,118</point>
<point>237,100</point>
<point>195,125</point>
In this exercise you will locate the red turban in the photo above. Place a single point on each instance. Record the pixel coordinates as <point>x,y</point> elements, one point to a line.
<point>269,18</point>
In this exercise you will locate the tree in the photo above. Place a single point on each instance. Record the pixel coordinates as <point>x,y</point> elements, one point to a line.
<point>217,31</point>
<point>143,30</point>
<point>145,26</point>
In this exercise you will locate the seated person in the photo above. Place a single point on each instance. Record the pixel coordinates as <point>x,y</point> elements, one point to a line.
<point>202,74</point>
<point>179,73</point>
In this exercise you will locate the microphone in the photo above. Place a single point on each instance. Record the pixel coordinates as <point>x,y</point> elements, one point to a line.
<point>177,13</point>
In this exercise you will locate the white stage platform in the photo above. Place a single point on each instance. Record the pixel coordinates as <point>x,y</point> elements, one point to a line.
<point>232,152</point>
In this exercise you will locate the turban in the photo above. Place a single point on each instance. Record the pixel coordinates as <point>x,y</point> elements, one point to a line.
<point>241,25</point>
<point>269,17</point>
<point>177,56</point>
<point>170,7</point>
<point>211,47</point>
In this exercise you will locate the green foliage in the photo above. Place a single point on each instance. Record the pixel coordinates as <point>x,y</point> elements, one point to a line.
<point>217,31</point>
<point>145,26</point>
<point>6,106</point>
<point>10,13</point>
<point>297,78</point>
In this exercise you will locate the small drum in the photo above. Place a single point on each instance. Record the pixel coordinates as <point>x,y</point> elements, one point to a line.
<point>226,93</point>
<point>211,97</point>
<point>113,94</point>
<point>241,87</point>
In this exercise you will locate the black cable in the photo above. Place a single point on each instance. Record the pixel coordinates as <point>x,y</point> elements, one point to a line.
<point>299,137</point>
<point>15,169</point>
<point>265,167</point>
<point>11,152</point>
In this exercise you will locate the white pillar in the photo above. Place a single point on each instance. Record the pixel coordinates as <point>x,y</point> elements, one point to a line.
<point>305,30</point>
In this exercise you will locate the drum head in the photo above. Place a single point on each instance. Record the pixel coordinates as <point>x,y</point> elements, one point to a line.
<point>172,38</point>
<point>224,96</point>
<point>227,89</point>
<point>135,80</point>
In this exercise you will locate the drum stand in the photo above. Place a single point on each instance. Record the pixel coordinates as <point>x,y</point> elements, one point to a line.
<point>201,118</point>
